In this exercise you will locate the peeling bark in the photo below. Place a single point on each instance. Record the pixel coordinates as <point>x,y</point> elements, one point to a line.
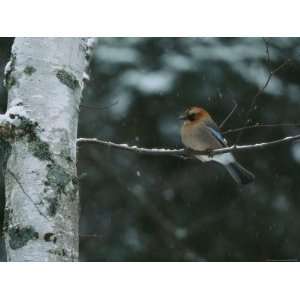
<point>45,78</point>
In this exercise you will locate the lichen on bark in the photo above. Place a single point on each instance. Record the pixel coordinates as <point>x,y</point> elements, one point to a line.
<point>40,149</point>
<point>67,79</point>
<point>29,70</point>
<point>20,236</point>
<point>9,79</point>
<point>42,201</point>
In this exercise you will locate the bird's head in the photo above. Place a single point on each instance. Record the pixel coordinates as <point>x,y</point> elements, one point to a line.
<point>194,114</point>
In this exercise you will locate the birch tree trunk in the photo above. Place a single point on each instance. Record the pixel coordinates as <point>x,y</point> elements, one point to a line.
<point>44,78</point>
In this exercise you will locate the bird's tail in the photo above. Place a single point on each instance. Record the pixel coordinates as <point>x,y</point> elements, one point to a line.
<point>239,173</point>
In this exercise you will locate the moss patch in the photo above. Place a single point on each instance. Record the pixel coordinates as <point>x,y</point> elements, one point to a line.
<point>50,237</point>
<point>40,149</point>
<point>57,180</point>
<point>66,153</point>
<point>53,205</point>
<point>59,252</point>
<point>19,237</point>
<point>29,70</point>
<point>28,126</point>
<point>67,79</point>
<point>57,177</point>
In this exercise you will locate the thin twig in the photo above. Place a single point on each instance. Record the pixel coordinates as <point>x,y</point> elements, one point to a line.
<point>267,51</point>
<point>261,126</point>
<point>183,153</point>
<point>229,115</point>
<point>26,194</point>
<point>100,108</point>
<point>235,148</point>
<point>262,89</point>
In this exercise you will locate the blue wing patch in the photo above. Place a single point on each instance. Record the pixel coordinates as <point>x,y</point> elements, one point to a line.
<point>218,135</point>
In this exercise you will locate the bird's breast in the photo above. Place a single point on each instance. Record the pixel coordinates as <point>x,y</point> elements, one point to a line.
<point>198,138</point>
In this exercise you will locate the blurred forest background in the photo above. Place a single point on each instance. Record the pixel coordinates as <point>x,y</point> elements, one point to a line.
<point>151,208</point>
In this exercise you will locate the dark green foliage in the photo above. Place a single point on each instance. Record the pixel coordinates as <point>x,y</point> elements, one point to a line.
<point>158,208</point>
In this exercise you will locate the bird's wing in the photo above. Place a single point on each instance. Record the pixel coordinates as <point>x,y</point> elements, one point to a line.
<point>214,130</point>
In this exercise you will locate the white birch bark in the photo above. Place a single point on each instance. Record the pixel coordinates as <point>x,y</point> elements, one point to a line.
<point>44,78</point>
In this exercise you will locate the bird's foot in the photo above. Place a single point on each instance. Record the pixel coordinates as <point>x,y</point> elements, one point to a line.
<point>209,152</point>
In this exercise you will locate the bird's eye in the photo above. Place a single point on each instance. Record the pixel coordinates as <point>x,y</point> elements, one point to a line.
<point>191,116</point>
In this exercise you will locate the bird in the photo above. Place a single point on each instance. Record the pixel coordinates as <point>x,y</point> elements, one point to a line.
<point>199,132</point>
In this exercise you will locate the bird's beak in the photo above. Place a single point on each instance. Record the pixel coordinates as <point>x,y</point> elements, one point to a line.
<point>183,116</point>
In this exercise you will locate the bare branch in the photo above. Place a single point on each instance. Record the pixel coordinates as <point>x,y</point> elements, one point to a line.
<point>236,148</point>
<point>150,151</point>
<point>99,107</point>
<point>267,51</point>
<point>187,153</point>
<point>262,89</point>
<point>229,115</point>
<point>229,131</point>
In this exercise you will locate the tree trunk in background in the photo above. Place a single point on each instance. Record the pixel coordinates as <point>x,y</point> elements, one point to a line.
<point>42,203</point>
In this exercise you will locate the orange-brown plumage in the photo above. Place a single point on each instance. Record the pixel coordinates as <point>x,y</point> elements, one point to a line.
<point>195,114</point>
<point>199,132</point>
